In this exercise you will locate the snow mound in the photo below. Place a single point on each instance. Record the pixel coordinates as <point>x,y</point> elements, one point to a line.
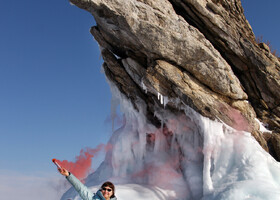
<point>190,157</point>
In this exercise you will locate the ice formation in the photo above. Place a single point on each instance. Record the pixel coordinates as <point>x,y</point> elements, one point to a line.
<point>190,157</point>
<point>262,127</point>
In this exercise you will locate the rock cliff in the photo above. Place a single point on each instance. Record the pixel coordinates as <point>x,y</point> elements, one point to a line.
<point>201,53</point>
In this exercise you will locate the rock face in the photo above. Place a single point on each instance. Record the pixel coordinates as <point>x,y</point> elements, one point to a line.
<point>200,53</point>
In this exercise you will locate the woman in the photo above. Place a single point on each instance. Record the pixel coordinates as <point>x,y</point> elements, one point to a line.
<point>107,191</point>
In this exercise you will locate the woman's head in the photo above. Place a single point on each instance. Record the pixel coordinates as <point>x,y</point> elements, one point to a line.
<point>108,190</point>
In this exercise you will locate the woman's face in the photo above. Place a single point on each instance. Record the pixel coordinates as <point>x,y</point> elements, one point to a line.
<point>107,192</point>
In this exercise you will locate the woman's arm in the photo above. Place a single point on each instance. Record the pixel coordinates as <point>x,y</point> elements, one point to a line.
<point>83,191</point>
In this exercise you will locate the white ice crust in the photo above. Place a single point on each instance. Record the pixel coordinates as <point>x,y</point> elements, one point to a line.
<point>197,159</point>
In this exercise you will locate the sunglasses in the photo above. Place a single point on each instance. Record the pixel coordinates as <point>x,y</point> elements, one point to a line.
<point>108,189</point>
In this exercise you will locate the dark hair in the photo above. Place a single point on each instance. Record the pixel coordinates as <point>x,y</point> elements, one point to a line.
<point>110,185</point>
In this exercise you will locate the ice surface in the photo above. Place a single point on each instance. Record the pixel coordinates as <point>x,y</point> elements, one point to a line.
<point>262,127</point>
<point>189,157</point>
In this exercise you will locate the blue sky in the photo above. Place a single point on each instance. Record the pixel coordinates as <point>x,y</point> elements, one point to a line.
<point>54,99</point>
<point>263,17</point>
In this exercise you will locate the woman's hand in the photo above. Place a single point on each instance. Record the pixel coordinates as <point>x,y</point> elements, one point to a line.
<point>63,171</point>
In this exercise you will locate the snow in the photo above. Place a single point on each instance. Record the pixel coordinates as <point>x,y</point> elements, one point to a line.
<point>262,127</point>
<point>126,191</point>
<point>190,157</point>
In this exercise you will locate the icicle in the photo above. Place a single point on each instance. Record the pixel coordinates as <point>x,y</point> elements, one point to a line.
<point>116,56</point>
<point>163,100</point>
